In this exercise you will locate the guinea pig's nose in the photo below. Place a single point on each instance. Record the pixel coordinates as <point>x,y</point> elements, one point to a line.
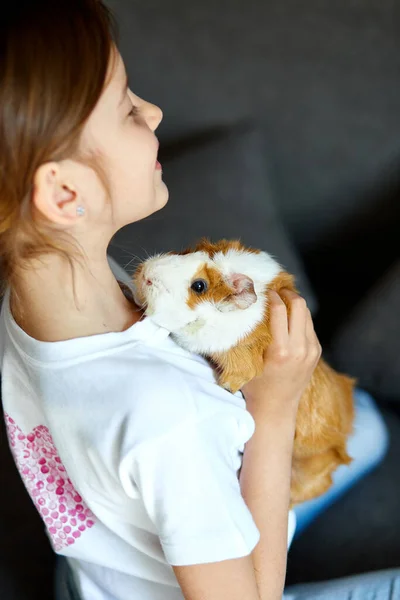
<point>149,282</point>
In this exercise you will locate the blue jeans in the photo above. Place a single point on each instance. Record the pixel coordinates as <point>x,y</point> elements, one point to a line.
<point>367,446</point>
<point>378,585</point>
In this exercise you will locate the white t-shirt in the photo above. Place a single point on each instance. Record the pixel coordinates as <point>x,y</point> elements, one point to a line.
<point>130,452</point>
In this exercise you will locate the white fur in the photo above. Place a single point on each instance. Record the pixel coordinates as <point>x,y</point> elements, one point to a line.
<point>205,329</point>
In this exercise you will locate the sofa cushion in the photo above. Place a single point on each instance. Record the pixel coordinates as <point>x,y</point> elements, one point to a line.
<point>219,189</point>
<point>368,343</point>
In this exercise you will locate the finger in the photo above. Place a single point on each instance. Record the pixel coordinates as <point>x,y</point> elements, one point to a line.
<point>312,338</point>
<point>297,316</point>
<point>278,319</point>
<point>310,331</point>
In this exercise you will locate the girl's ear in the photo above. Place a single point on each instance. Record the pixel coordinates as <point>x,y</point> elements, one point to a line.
<point>53,197</point>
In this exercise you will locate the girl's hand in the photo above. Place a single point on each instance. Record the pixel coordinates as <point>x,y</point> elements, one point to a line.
<point>290,359</point>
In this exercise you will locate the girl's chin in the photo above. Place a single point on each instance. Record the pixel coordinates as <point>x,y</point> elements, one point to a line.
<point>162,195</point>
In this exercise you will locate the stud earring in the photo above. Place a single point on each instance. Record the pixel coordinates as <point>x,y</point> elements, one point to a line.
<point>80,211</point>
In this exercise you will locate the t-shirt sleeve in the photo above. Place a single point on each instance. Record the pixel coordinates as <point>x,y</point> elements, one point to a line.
<point>191,492</point>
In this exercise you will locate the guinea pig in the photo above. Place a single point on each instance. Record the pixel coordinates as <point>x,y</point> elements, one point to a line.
<point>213,299</point>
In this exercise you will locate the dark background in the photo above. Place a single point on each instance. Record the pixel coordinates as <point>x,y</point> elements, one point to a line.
<point>281,124</point>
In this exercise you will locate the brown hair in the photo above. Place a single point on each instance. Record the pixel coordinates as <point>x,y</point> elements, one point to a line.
<point>54,62</point>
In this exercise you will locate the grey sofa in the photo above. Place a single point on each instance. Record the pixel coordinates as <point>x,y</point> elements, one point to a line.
<point>281,126</point>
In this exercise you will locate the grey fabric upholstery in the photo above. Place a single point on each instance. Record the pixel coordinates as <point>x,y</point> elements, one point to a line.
<point>368,343</point>
<point>321,75</point>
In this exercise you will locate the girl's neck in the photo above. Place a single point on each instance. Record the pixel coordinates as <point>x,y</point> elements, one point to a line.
<point>48,307</point>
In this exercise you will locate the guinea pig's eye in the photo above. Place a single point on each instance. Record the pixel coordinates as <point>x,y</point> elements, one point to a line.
<point>199,286</point>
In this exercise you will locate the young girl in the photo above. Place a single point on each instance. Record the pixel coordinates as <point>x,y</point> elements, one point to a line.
<point>131,453</point>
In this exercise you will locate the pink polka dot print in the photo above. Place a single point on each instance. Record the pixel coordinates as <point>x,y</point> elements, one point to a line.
<point>61,507</point>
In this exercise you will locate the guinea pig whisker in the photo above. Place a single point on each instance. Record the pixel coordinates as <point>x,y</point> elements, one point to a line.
<point>145,252</point>
<point>128,264</point>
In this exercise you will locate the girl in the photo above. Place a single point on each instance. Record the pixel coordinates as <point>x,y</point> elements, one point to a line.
<point>132,454</point>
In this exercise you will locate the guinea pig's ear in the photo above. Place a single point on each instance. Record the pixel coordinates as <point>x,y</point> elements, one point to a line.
<point>244,294</point>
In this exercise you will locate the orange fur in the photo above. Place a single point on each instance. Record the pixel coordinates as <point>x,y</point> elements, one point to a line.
<point>136,279</point>
<point>211,248</point>
<point>217,287</point>
<point>326,413</point>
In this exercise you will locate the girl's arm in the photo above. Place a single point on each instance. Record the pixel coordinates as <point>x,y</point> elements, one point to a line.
<point>265,484</point>
<point>233,579</point>
<point>272,399</point>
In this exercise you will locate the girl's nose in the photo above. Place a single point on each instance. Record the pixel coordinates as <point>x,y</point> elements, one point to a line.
<point>153,115</point>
